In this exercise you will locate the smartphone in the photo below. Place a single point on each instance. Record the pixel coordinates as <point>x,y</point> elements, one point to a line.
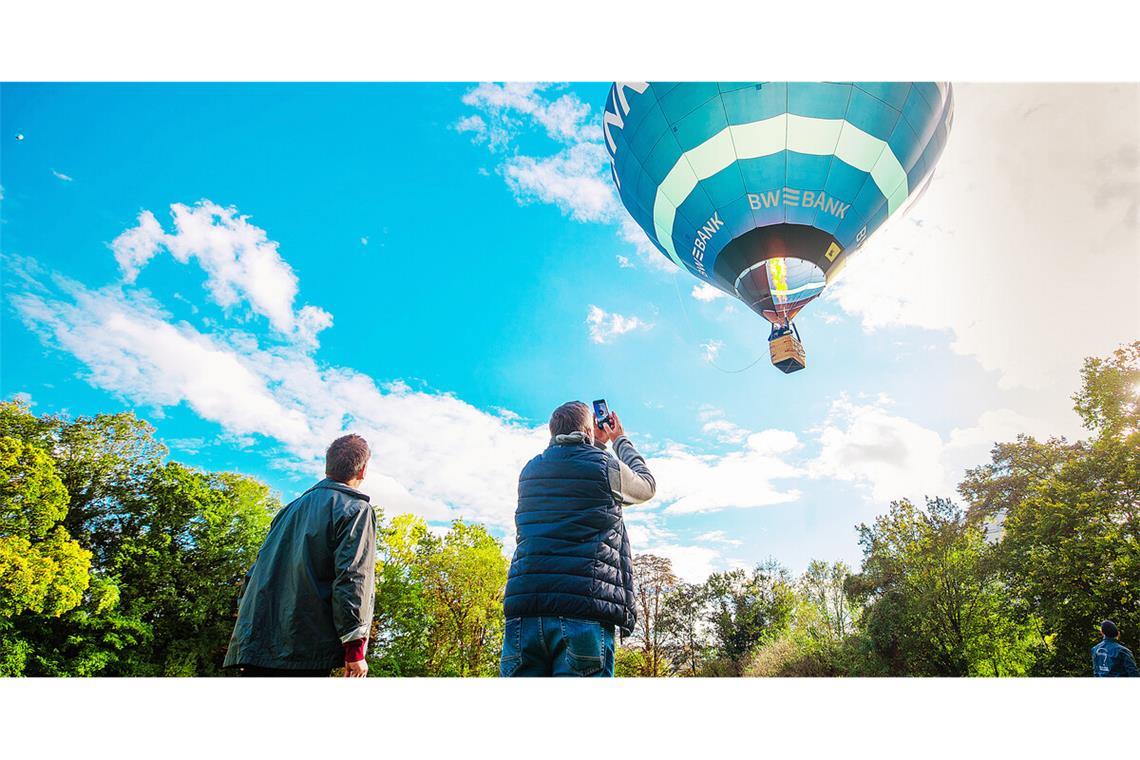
<point>601,412</point>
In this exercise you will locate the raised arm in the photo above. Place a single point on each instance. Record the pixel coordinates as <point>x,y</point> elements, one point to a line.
<point>631,481</point>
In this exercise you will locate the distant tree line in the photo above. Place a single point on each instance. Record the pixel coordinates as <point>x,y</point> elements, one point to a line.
<point>117,562</point>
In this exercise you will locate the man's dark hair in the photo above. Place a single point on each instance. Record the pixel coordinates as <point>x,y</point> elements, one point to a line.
<point>571,417</point>
<point>345,457</point>
<point>1109,629</point>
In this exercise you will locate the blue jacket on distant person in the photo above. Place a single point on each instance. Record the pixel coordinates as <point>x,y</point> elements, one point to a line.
<point>1112,659</point>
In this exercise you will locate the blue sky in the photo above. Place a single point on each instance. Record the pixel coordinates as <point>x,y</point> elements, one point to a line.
<point>255,268</point>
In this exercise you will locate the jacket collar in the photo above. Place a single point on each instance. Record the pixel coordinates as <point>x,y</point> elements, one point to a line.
<point>577,438</point>
<point>336,485</point>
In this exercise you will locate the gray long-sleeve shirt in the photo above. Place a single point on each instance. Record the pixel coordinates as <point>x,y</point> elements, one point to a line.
<point>632,482</point>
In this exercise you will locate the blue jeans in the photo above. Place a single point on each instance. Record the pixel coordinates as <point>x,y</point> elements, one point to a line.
<point>557,646</point>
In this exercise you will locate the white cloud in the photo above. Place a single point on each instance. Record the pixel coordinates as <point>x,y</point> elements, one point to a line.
<point>565,118</point>
<point>624,262</point>
<point>473,124</point>
<point>433,454</point>
<point>364,241</point>
<point>605,326</point>
<point>1025,246</point>
<point>630,232</point>
<point>689,481</point>
<point>866,444</point>
<point>241,263</point>
<point>569,179</point>
<point>895,458</point>
<point>718,537</point>
<point>129,348</point>
<point>693,564</point>
<point>61,176</point>
<point>575,177</point>
<point>705,292</point>
<point>724,430</point>
<point>712,349</point>
<point>648,535</point>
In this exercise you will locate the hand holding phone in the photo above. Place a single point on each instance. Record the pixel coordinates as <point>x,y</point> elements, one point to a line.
<point>607,425</point>
<point>616,430</point>
<point>601,413</point>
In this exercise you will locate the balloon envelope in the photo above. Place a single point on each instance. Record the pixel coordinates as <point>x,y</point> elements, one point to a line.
<point>764,189</point>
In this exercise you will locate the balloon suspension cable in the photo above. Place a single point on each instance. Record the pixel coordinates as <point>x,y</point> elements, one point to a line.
<point>708,358</point>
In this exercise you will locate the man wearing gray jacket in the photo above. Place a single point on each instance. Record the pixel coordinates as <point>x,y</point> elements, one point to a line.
<point>306,604</point>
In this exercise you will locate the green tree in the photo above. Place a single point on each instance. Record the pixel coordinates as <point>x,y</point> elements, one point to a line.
<point>167,547</point>
<point>822,586</point>
<point>43,571</point>
<point>745,608</point>
<point>685,629</point>
<point>1070,533</point>
<point>934,603</point>
<point>401,632</point>
<point>464,577</point>
<point>179,557</point>
<point>628,663</point>
<point>821,636</point>
<point>653,579</point>
<point>440,600</point>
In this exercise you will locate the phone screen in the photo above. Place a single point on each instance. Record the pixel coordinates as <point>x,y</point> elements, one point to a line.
<point>601,411</point>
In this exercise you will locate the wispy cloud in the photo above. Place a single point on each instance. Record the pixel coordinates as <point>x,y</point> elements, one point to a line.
<point>649,535</point>
<point>569,180</point>
<point>472,124</point>
<point>716,425</point>
<point>563,117</point>
<point>705,292</point>
<point>574,175</point>
<point>718,537</point>
<point>711,350</point>
<point>241,263</point>
<point>62,176</point>
<point>604,326</point>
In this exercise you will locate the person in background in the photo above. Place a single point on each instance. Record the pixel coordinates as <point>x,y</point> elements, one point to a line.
<point>306,604</point>
<point>1110,657</point>
<point>571,578</point>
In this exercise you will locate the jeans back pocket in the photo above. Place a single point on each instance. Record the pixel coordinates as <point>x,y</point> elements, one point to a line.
<point>585,645</point>
<point>511,657</point>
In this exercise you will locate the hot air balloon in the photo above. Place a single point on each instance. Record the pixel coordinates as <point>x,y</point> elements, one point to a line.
<point>764,189</point>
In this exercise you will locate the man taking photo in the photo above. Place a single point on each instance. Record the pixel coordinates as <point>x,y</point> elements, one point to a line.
<point>571,578</point>
<point>306,604</point>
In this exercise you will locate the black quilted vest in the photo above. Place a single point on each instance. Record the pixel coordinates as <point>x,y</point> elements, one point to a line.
<point>573,557</point>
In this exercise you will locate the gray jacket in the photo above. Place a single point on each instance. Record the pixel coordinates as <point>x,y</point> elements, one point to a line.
<point>312,587</point>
